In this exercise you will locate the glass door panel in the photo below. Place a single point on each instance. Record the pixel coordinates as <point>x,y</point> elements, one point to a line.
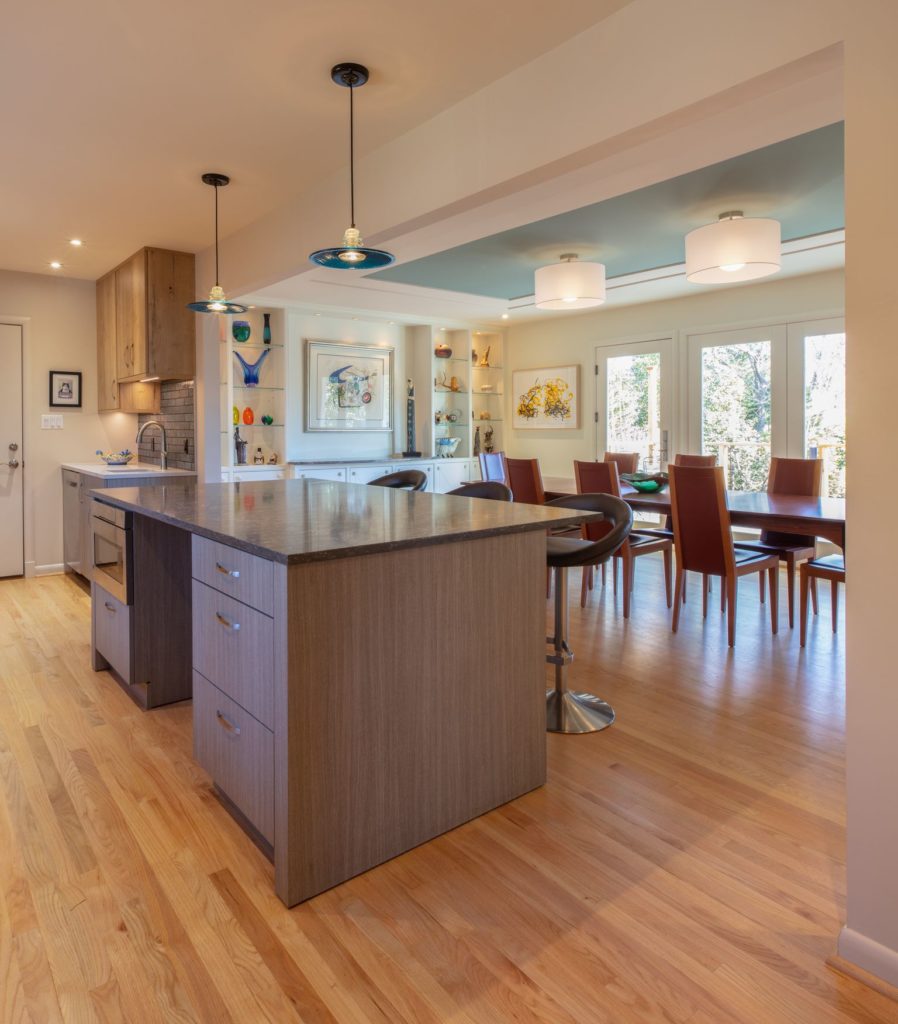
<point>824,407</point>
<point>633,401</point>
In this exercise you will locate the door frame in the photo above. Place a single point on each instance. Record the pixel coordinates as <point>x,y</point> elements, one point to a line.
<point>663,343</point>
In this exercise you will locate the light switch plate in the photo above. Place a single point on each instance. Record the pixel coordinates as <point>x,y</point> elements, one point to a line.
<point>51,421</point>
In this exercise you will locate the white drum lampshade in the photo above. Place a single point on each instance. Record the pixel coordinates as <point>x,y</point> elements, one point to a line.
<point>569,284</point>
<point>735,248</point>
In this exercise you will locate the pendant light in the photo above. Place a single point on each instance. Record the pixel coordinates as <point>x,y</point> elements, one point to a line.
<point>352,254</point>
<point>217,301</point>
<point>569,284</point>
<point>733,249</point>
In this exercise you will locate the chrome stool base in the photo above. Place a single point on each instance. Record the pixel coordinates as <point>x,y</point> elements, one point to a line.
<point>567,711</point>
<point>570,712</point>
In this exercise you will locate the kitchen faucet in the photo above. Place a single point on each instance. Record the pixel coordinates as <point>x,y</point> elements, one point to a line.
<point>163,462</point>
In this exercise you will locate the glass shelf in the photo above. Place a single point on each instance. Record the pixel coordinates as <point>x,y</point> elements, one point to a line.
<point>258,387</point>
<point>492,419</point>
<point>492,366</point>
<point>239,346</point>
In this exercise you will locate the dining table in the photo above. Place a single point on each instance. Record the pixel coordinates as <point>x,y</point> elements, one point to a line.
<point>783,513</point>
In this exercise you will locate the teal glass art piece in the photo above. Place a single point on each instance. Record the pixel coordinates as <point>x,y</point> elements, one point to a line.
<point>266,330</point>
<point>267,420</point>
<point>251,370</point>
<point>241,330</point>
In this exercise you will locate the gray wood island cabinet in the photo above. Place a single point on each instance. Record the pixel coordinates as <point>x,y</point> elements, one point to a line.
<point>368,664</point>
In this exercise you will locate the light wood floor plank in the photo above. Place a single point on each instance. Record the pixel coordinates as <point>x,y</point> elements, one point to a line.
<point>684,867</point>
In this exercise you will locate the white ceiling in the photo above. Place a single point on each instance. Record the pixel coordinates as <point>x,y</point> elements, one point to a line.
<point>113,110</point>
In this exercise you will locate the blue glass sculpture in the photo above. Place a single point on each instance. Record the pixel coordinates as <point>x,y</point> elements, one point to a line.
<point>241,330</point>
<point>251,370</point>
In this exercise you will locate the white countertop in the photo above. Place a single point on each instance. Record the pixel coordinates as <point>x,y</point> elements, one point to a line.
<point>132,469</point>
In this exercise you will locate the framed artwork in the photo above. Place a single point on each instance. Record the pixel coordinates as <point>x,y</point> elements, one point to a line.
<point>547,398</point>
<point>65,389</point>
<point>348,387</point>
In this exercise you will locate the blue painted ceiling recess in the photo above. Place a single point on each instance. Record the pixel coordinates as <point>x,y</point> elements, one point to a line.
<point>799,182</point>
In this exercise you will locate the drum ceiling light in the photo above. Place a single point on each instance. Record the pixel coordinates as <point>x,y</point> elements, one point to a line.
<point>217,301</point>
<point>352,254</point>
<point>570,284</point>
<point>735,248</point>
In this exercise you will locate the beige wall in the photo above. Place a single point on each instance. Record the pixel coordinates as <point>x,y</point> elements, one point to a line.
<point>60,334</point>
<point>573,339</point>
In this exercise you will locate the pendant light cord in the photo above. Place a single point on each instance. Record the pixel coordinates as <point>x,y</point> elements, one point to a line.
<point>216,236</point>
<point>351,156</point>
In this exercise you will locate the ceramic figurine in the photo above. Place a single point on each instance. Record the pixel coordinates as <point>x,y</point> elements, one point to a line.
<point>485,360</point>
<point>239,447</point>
<point>258,458</point>
<point>488,439</point>
<point>477,441</point>
<point>273,459</point>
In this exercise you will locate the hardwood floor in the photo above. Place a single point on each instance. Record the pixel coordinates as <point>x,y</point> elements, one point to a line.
<point>684,866</point>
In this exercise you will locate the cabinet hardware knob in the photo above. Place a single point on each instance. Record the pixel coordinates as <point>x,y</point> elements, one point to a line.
<point>227,623</point>
<point>233,573</point>
<point>227,723</point>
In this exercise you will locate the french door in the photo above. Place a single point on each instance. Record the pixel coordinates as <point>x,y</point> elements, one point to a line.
<point>634,400</point>
<point>773,390</point>
<point>12,552</point>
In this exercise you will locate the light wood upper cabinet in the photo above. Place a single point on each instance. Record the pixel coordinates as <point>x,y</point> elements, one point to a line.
<point>107,372</point>
<point>144,328</point>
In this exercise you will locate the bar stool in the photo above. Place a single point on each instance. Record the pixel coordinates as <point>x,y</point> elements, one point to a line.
<point>403,480</point>
<point>492,489</point>
<point>567,711</point>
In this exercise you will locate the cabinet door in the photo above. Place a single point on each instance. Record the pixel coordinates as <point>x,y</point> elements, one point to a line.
<point>170,325</point>
<point>365,474</point>
<point>450,474</point>
<point>131,317</point>
<point>314,473</point>
<point>107,370</point>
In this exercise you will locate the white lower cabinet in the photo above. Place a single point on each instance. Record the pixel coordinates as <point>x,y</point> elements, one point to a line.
<point>314,473</point>
<point>365,474</point>
<point>257,475</point>
<point>442,474</point>
<point>449,474</point>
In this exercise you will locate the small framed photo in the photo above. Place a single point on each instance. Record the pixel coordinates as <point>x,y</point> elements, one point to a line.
<point>65,389</point>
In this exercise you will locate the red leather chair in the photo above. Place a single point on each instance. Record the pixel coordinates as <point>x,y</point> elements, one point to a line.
<point>526,481</point>
<point>830,567</point>
<point>790,476</point>
<point>602,478</point>
<point>704,542</point>
<point>627,462</point>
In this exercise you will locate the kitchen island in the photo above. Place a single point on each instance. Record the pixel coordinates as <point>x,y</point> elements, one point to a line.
<point>368,664</point>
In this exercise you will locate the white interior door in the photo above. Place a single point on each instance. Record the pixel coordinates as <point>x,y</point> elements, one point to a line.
<point>634,400</point>
<point>12,509</point>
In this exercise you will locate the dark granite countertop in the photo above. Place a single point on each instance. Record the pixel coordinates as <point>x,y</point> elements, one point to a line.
<point>294,521</point>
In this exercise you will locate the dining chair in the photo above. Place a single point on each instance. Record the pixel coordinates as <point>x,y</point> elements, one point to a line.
<point>704,542</point>
<point>524,478</point>
<point>627,462</point>
<point>602,478</point>
<point>829,567</point>
<point>492,467</point>
<point>790,476</point>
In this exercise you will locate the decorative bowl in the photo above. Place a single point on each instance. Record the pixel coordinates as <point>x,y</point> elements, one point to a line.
<point>443,351</point>
<point>446,446</point>
<point>116,458</point>
<point>647,483</point>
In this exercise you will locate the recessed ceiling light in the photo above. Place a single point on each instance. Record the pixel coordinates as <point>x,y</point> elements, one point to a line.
<point>355,318</point>
<point>391,322</point>
<point>504,316</point>
<point>56,265</point>
<point>317,314</point>
<point>77,242</point>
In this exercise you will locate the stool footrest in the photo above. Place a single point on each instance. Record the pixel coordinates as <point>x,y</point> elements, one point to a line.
<point>570,712</point>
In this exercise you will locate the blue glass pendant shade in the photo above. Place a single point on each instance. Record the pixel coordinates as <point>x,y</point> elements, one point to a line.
<point>251,370</point>
<point>216,306</point>
<point>365,259</point>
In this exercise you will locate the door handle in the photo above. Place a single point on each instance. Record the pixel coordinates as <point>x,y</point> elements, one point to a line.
<point>14,447</point>
<point>233,573</point>
<point>13,463</point>
<point>227,723</point>
<point>110,607</point>
<point>227,623</point>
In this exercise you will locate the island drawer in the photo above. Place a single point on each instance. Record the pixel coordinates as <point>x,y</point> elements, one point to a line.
<point>112,631</point>
<point>236,573</point>
<point>237,751</point>
<point>233,646</point>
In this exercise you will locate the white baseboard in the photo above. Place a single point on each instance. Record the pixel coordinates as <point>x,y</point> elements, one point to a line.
<point>869,955</point>
<point>31,569</point>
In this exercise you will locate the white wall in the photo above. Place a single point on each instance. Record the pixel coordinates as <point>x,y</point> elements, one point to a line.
<point>574,338</point>
<point>60,334</point>
<point>303,444</point>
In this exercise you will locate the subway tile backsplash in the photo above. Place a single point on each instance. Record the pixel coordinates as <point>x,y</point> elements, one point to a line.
<point>179,418</point>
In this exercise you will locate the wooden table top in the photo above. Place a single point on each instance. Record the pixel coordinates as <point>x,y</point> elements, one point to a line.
<point>789,513</point>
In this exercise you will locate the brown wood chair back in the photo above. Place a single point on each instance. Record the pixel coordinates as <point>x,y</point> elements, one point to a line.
<point>492,466</point>
<point>627,462</point>
<point>525,481</point>
<point>793,476</point>
<point>695,460</point>
<point>596,478</point>
<point>701,522</point>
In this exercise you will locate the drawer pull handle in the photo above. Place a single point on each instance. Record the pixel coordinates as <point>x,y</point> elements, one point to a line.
<point>227,623</point>
<point>233,573</point>
<point>227,723</point>
<point>109,607</point>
